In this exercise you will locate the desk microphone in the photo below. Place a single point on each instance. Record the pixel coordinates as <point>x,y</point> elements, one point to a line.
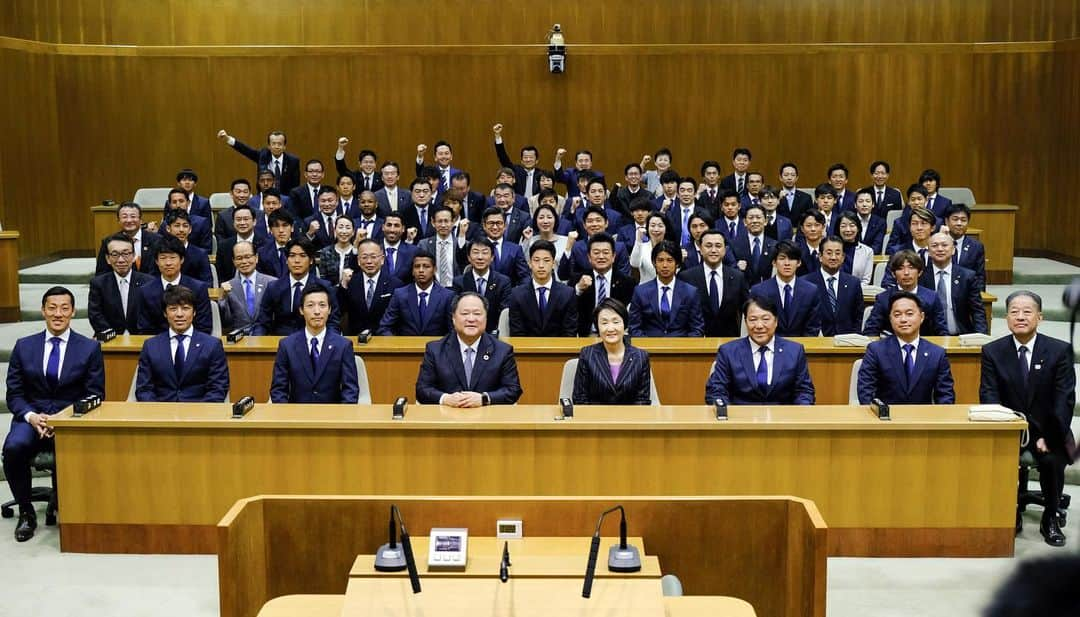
<point>390,559</point>
<point>881,408</point>
<point>721,410</point>
<point>504,565</point>
<point>567,407</point>
<point>242,407</point>
<point>621,558</point>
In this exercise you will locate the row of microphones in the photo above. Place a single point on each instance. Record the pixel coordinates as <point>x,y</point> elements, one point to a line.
<point>390,558</point>
<point>621,557</point>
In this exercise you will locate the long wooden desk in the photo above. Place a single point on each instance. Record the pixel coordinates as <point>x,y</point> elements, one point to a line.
<point>680,366</point>
<point>10,309</point>
<point>155,477</point>
<point>767,551</point>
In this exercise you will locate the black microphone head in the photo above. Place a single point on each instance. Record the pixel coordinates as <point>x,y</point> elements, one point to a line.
<point>410,562</point>
<point>622,528</point>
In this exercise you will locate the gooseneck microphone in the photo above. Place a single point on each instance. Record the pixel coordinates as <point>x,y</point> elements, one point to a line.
<point>504,565</point>
<point>390,559</point>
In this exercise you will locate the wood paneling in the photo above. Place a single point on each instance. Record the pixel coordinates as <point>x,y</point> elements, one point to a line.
<point>10,309</point>
<point>455,22</point>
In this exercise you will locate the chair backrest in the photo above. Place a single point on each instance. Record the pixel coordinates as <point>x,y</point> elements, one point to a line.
<point>879,273</point>
<point>853,383</point>
<point>654,396</point>
<point>890,219</point>
<point>215,318</point>
<point>131,391</point>
<point>809,192</point>
<point>214,278</point>
<point>671,585</point>
<point>151,196</point>
<point>958,194</point>
<point>220,201</point>
<point>866,315</point>
<point>362,381</point>
<point>566,384</point>
<point>504,324</point>
<point>742,327</point>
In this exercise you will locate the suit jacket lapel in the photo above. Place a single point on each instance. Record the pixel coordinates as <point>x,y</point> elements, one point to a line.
<point>746,353</point>
<point>898,356</point>
<point>676,300</point>
<point>194,350</point>
<point>456,362</point>
<point>1038,352</point>
<point>324,358</point>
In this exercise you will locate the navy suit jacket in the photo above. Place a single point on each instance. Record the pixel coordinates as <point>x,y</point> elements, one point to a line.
<point>332,380</point>
<point>685,318</point>
<point>197,264</point>
<point>576,262</point>
<point>147,265</point>
<point>734,376</point>
<point>224,228</point>
<point>847,202</point>
<point>849,304</point>
<point>622,289</point>
<point>973,257</point>
<point>512,263</point>
<point>559,318</point>
<point>939,205</point>
<point>269,261</point>
<point>223,262</point>
<point>794,210</point>
<point>402,316</point>
<point>200,206</point>
<point>519,171</point>
<point>151,309</point>
<point>404,199</point>
<point>357,175</point>
<point>893,201</point>
<point>442,182</point>
<point>1048,397</point>
<point>802,318</point>
<point>497,292</point>
<point>593,384</point>
<point>403,256</point>
<point>875,234</point>
<point>740,249</point>
<point>967,303</point>
<point>569,177</point>
<point>494,371</point>
<point>105,308</point>
<point>353,300</point>
<point>323,237</point>
<point>376,227</point>
<point>808,262</point>
<point>81,374</point>
<point>900,236</point>
<point>780,228</point>
<point>276,315</point>
<point>412,219</point>
<point>300,203</point>
<point>723,320</point>
<point>882,375</point>
<point>201,232</point>
<point>933,325</point>
<point>290,168</point>
<point>205,378</point>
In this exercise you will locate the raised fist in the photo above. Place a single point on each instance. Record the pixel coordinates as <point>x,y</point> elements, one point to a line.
<point>342,142</point>
<point>572,237</point>
<point>561,152</point>
<point>421,149</point>
<point>313,228</point>
<point>222,135</point>
<point>410,234</point>
<point>498,129</point>
<point>346,276</point>
<point>527,233</point>
<point>226,287</point>
<point>645,160</point>
<point>741,264</point>
<point>463,228</point>
<point>667,204</point>
<point>584,283</point>
<point>574,203</point>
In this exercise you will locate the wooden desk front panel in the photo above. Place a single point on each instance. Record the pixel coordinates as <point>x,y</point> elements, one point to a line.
<point>680,367</point>
<point>914,477</point>
<point>10,308</point>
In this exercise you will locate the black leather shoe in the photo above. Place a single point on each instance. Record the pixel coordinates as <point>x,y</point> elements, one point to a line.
<point>1051,532</point>
<point>28,523</point>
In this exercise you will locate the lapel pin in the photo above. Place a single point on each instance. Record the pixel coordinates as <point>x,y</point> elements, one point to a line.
<point>486,357</point>
<point>1038,366</point>
<point>328,347</point>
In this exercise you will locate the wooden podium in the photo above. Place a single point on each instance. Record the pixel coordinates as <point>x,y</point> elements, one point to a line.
<point>546,578</point>
<point>10,310</point>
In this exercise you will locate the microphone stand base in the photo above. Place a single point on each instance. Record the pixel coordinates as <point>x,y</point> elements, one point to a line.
<point>624,559</point>
<point>390,559</point>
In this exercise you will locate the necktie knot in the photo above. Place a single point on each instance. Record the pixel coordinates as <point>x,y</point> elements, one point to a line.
<point>761,350</point>
<point>180,338</point>
<point>1023,350</point>
<point>314,343</point>
<point>787,289</point>
<point>56,340</point>
<point>423,295</point>
<point>908,348</point>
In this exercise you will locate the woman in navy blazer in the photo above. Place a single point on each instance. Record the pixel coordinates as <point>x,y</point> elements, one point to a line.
<point>612,371</point>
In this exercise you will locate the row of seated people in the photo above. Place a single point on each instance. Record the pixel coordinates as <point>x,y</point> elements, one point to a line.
<point>390,287</point>
<point>468,367</point>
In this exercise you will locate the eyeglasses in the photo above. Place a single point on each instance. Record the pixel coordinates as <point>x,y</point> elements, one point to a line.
<point>124,254</point>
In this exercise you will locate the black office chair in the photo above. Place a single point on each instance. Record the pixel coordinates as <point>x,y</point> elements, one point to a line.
<point>44,461</point>
<point>1025,497</point>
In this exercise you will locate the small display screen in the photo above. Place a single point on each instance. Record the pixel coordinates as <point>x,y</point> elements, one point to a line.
<point>448,544</point>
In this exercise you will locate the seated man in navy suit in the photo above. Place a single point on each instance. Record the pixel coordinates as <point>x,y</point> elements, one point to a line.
<point>201,234</point>
<point>777,225</point>
<point>482,279</point>
<point>797,297</point>
<point>468,367</point>
<point>421,308</point>
<point>956,288</point>
<point>365,216</point>
<point>150,310</point>
<point>399,253</point>
<point>900,234</point>
<point>244,225</point>
<point>543,306</point>
<point>196,260</point>
<point>885,198</point>
<point>1032,373</point>
<point>273,259</point>
<point>969,252</point>
<point>808,241</point>
<point>182,365</point>
<point>931,181</point>
<point>279,311</point>
<point>905,368</point>
<point>186,179</point>
<point>761,368</point>
<point>921,224</point>
<point>317,227</point>
<point>907,269</point>
<point>838,179</point>
<point>751,247</point>
<point>509,259</point>
<point>575,260</point>
<point>111,304</point>
<point>666,306</point>
<point>240,192</point>
<point>315,364</point>
<point>129,216</point>
<point>364,295</point>
<point>722,289</point>
<point>47,372</point>
<point>840,301</point>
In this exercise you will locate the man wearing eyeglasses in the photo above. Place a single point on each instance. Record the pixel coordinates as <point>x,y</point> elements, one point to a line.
<point>110,304</point>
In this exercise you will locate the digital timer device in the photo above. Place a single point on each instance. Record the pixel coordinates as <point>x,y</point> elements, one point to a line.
<point>448,548</point>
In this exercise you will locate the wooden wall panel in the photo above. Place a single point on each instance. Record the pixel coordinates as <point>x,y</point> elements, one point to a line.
<point>466,22</point>
<point>1059,225</point>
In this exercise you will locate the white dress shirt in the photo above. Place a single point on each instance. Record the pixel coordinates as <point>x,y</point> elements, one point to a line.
<point>187,340</point>
<point>780,285</point>
<point>308,335</point>
<point>1030,347</point>
<point>719,270</point>
<point>123,283</point>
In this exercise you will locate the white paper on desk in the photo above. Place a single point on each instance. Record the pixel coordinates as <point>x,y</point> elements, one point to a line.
<point>992,413</point>
<point>974,339</point>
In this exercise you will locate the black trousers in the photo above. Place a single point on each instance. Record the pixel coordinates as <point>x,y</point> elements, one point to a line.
<point>1051,466</point>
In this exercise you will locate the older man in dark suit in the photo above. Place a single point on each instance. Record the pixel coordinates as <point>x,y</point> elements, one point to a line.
<point>285,166</point>
<point>365,295</point>
<point>467,367</point>
<point>110,305</point>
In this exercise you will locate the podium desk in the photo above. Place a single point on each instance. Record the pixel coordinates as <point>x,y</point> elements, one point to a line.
<point>10,309</point>
<point>680,366</point>
<point>154,477</point>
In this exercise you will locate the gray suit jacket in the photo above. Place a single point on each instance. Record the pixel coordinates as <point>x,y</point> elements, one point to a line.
<point>404,200</point>
<point>234,312</point>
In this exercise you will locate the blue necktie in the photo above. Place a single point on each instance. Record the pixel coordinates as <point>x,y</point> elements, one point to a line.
<point>665,304</point>
<point>370,295</point>
<point>543,299</point>
<point>282,268</point>
<point>922,255</point>
<point>755,255</point>
<point>249,295</point>
<point>390,258</point>
<point>296,296</point>
<point>423,306</point>
<point>788,308</point>
<point>468,365</point>
<point>423,220</point>
<point>832,294</point>
<point>178,358</point>
<point>763,369</point>
<point>685,226</point>
<point>498,252</point>
<point>52,368</point>
<point>714,290</point>
<point>909,360</point>
<point>601,289</point>
<point>314,353</point>
<point>731,230</point>
<point>1024,369</point>
<point>480,286</point>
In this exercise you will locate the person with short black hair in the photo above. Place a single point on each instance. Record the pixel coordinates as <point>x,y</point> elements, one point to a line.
<point>906,268</point>
<point>542,306</point>
<point>365,294</point>
<point>201,233</point>
<point>871,226</point>
<point>808,241</point>
<point>930,179</point>
<point>319,226</point>
<point>666,306</point>
<point>285,166</point>
<point>885,198</point>
<point>240,193</point>
<point>468,367</point>
<point>186,179</point>
<point>181,365</point>
<point>722,289</point>
<point>273,258</point>
<point>569,177</point>
<point>858,258</point>
<point>509,259</point>
<point>129,216</point>
<point>399,254</point>
<point>740,163</point>
<point>621,196</point>
<point>111,305</point>
<point>315,364</point>
<point>148,298</point>
<point>304,199</point>
<point>526,180</point>
<point>244,221</point>
<point>177,224</point>
<point>793,202</point>
<point>900,235</point>
<point>421,308</point>
<point>652,178</point>
<point>760,368</point>
<point>575,260</point>
<point>444,170</point>
<point>838,178</point>
<point>612,371</point>
<point>969,252</point>
<point>600,282</point>
<point>391,197</point>
<point>366,176</point>
<point>905,368</point>
<point>840,301</point>
<point>279,311</point>
<point>921,225</point>
<point>751,248</point>
<point>796,297</point>
<point>47,372</point>
<point>777,226</point>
